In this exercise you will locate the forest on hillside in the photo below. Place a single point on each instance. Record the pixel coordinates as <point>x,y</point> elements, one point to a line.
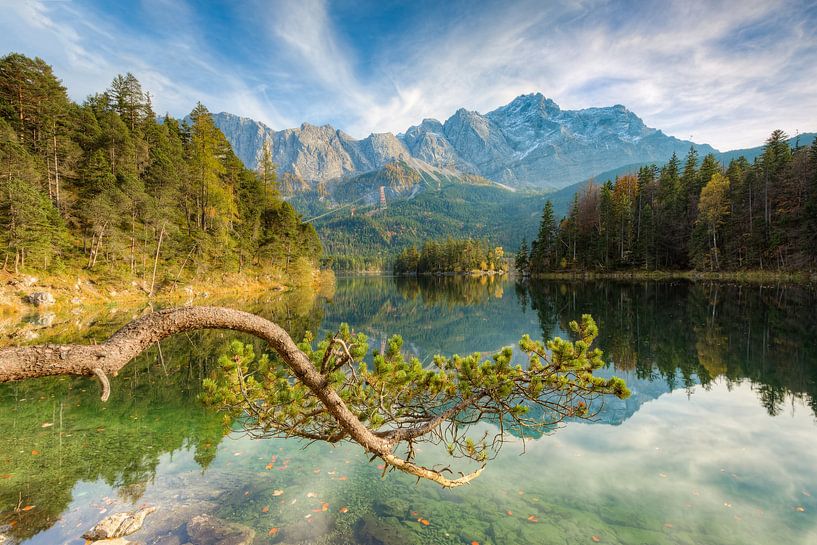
<point>696,214</point>
<point>108,187</point>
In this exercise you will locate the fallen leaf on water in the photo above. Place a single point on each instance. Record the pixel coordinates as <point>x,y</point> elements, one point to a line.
<point>308,516</point>
<point>424,522</point>
<point>293,501</point>
<point>277,492</point>
<point>331,472</point>
<point>236,454</point>
<point>316,471</point>
<point>595,539</point>
<point>344,509</point>
<point>272,531</point>
<point>47,424</point>
<point>265,509</point>
<point>35,452</point>
<point>800,509</point>
<point>324,507</point>
<point>662,475</point>
<point>311,495</point>
<point>27,508</point>
<point>727,504</point>
<point>343,478</point>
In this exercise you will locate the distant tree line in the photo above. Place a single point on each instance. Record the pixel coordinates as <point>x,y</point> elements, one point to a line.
<point>690,215</point>
<point>451,256</point>
<point>105,186</point>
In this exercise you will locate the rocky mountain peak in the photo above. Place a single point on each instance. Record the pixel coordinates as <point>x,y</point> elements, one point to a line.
<point>530,141</point>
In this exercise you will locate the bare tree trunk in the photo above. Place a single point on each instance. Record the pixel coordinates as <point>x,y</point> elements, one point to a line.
<point>56,173</point>
<point>156,260</point>
<point>132,243</point>
<point>20,363</point>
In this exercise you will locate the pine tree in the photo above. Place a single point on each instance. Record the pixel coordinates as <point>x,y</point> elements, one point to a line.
<point>521,259</point>
<point>542,256</point>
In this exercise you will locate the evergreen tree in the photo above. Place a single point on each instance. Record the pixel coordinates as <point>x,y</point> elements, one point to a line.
<point>521,260</point>
<point>543,251</point>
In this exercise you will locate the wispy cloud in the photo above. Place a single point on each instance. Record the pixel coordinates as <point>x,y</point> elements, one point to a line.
<point>725,73</point>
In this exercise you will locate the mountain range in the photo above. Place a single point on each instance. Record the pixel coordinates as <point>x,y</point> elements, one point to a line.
<point>528,143</point>
<point>483,176</point>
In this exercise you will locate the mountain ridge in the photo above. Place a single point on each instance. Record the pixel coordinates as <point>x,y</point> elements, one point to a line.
<point>529,142</point>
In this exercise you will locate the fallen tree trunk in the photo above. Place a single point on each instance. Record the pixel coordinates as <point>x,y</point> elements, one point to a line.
<point>109,357</point>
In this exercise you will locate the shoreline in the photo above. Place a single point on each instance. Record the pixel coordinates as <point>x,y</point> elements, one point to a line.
<point>748,276</point>
<point>78,291</point>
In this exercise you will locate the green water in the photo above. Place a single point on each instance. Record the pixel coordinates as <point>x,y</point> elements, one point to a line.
<point>717,445</point>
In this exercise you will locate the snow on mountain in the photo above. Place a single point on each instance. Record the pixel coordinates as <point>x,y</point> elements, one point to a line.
<point>528,142</point>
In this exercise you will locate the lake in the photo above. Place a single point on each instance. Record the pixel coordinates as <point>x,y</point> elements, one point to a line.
<point>716,445</point>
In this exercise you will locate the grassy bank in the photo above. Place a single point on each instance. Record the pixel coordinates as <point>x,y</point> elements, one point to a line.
<point>80,290</point>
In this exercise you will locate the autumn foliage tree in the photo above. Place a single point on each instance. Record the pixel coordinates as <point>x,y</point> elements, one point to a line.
<point>698,214</point>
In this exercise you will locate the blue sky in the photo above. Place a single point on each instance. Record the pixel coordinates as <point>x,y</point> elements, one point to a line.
<point>724,73</point>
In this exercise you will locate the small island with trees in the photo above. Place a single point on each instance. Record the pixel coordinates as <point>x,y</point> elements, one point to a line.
<point>452,257</point>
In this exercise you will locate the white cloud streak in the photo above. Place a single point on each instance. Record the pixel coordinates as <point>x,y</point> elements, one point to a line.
<point>724,73</point>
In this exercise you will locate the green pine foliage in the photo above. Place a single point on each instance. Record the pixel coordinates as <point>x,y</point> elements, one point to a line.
<point>702,215</point>
<point>451,256</point>
<point>107,187</point>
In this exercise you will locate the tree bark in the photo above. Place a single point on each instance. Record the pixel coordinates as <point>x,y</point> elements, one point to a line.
<point>18,363</point>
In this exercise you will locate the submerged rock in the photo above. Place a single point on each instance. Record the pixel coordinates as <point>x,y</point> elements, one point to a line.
<point>118,525</point>
<point>207,530</point>
<point>373,530</point>
<point>6,539</point>
<point>41,298</point>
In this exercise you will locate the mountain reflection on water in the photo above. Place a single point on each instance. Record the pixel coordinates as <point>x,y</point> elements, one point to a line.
<point>717,444</point>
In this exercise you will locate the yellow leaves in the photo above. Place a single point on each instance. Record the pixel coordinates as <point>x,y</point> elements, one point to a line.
<point>272,532</point>
<point>35,452</point>
<point>424,522</point>
<point>27,508</point>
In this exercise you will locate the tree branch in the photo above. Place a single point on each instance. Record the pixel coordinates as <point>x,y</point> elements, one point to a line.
<point>109,357</point>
